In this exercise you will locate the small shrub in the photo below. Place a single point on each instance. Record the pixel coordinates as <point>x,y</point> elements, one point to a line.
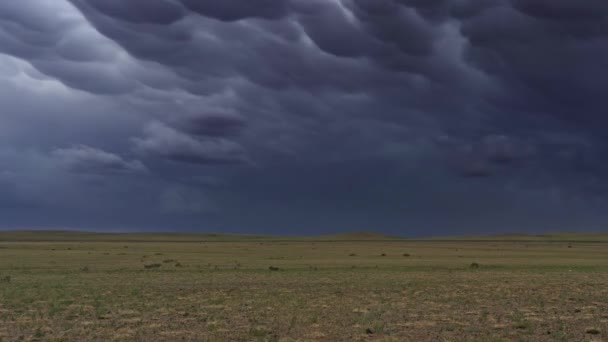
<point>273,268</point>
<point>406,254</point>
<point>383,254</point>
<point>592,331</point>
<point>85,269</point>
<point>177,264</point>
<point>148,266</point>
<point>474,265</point>
<point>169,261</point>
<point>5,279</point>
<point>258,332</point>
<point>352,254</point>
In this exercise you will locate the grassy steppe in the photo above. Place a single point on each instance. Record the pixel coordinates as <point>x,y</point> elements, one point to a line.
<point>346,288</point>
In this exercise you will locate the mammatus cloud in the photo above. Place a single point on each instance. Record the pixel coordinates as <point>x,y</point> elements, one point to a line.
<point>166,142</point>
<point>504,97</point>
<point>85,159</point>
<point>216,124</point>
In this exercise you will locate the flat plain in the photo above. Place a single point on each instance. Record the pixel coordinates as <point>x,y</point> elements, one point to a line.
<point>68,286</point>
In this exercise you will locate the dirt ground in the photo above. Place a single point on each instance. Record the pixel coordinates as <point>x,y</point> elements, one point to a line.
<point>316,291</point>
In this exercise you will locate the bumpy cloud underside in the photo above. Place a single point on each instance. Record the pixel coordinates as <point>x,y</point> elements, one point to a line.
<point>403,115</point>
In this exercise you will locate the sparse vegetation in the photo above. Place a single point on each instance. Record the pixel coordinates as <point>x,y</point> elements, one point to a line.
<point>231,291</point>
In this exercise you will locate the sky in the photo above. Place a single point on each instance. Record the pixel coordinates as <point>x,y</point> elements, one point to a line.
<point>409,117</point>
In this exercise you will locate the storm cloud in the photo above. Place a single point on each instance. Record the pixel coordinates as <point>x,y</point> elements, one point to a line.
<point>304,116</point>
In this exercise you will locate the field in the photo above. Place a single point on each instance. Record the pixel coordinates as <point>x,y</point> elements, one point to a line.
<point>361,287</point>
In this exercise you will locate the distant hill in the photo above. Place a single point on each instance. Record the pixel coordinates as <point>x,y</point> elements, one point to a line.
<point>355,236</point>
<point>59,235</point>
<point>77,236</point>
<point>567,236</point>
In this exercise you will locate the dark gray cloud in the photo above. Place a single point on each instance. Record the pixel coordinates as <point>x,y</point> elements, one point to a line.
<point>231,10</point>
<point>216,124</point>
<point>162,12</point>
<point>404,115</point>
<point>166,142</point>
<point>85,159</point>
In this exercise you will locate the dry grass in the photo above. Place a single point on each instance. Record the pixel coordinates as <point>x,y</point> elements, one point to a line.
<point>227,291</point>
